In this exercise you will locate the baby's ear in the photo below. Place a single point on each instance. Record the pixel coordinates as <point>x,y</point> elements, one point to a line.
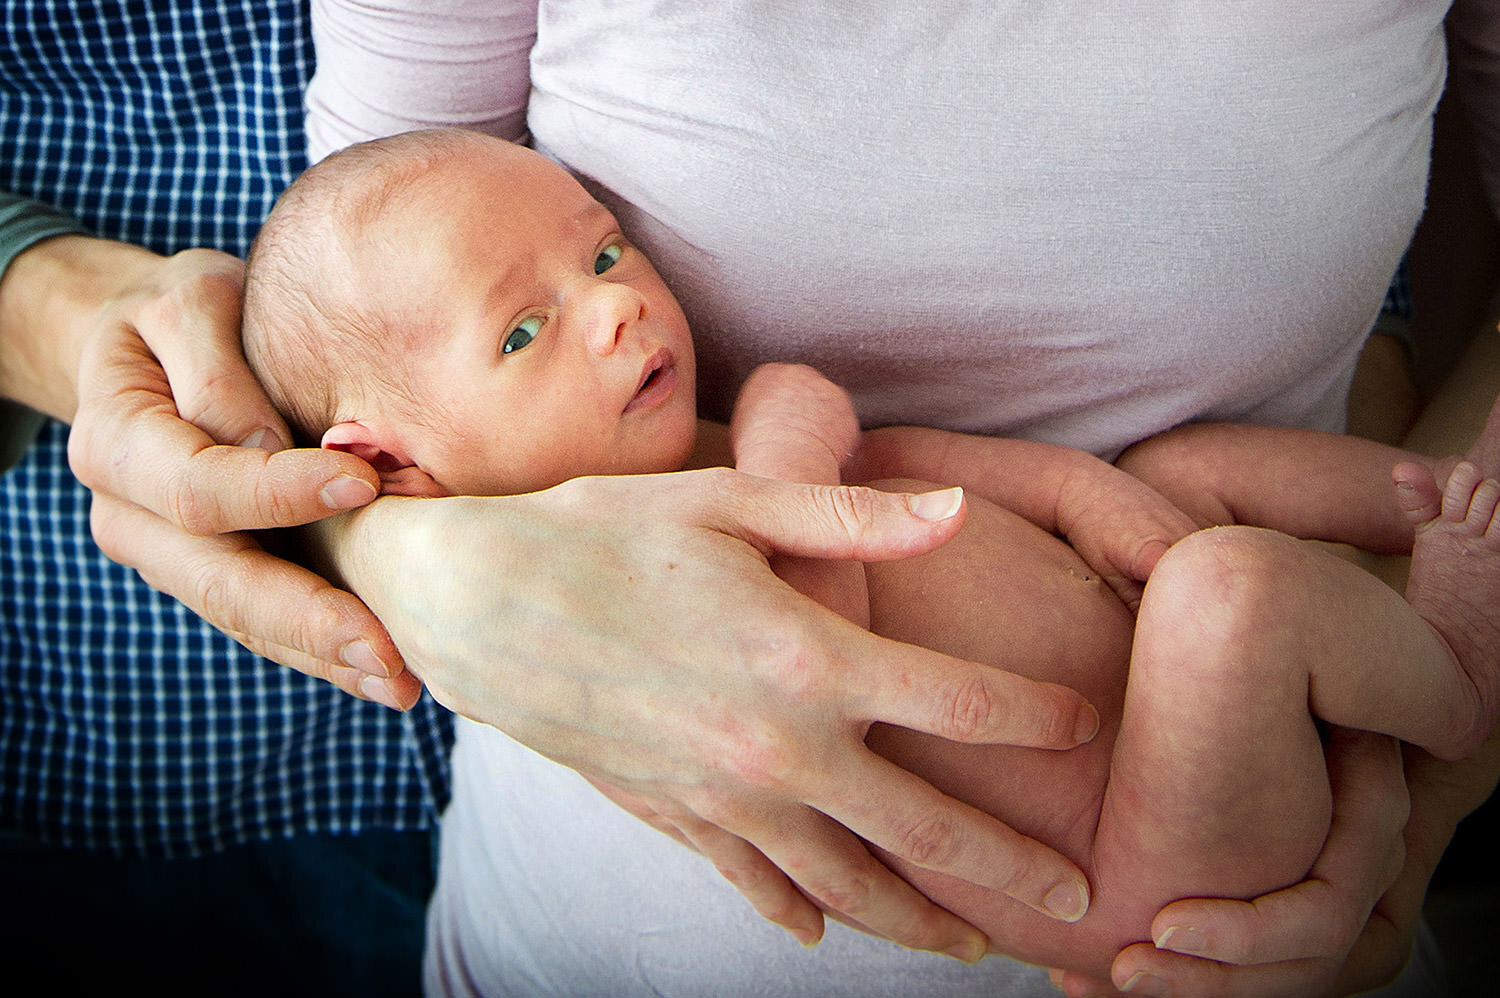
<point>399,475</point>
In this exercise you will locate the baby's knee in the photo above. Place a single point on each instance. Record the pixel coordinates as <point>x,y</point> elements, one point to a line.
<point>1225,586</point>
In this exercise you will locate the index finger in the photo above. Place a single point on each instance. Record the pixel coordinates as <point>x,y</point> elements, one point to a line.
<point>922,689</point>
<point>128,440</point>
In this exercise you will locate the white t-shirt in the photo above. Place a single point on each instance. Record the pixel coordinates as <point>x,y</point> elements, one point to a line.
<point>1073,221</point>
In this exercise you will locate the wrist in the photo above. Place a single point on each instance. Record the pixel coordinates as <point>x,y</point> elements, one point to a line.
<point>352,549</point>
<point>51,296</point>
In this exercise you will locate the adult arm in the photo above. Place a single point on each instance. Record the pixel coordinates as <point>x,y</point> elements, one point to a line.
<point>543,674</point>
<point>141,354</point>
<point>23,223</point>
<point>794,425</point>
<point>631,629</point>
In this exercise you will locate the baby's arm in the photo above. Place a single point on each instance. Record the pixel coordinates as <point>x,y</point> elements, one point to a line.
<point>792,423</point>
<point>1322,486</point>
<point>1119,525</point>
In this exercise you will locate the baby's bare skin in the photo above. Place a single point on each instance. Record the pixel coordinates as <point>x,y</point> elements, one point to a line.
<point>1454,582</point>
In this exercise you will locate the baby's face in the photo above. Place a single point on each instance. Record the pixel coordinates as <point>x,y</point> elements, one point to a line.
<point>564,353</point>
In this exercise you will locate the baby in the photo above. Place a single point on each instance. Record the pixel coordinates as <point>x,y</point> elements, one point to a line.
<point>459,312</point>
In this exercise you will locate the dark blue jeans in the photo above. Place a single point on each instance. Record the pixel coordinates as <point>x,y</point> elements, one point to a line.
<point>323,915</point>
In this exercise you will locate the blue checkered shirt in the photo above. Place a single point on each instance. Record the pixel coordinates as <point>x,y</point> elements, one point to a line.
<point>126,723</point>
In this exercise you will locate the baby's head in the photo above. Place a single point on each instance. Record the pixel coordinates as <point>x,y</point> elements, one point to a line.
<point>461,313</point>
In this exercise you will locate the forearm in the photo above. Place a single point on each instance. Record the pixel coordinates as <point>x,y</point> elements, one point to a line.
<point>50,299</point>
<point>41,315</point>
<point>793,424</point>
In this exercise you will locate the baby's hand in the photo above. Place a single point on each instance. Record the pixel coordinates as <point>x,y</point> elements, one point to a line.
<point>1120,526</point>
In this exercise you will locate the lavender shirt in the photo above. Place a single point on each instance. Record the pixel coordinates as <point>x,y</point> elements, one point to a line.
<point>1074,221</point>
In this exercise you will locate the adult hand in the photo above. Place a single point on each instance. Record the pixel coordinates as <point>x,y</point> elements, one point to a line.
<point>630,628</point>
<point>1296,942</point>
<point>141,353</point>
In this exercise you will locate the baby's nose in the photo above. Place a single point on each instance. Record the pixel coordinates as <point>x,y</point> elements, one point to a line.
<point>615,307</point>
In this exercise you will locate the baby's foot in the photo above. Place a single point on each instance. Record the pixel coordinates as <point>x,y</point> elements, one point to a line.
<point>1455,577</point>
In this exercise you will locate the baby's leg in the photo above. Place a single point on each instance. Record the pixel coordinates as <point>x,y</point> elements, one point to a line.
<point>1219,785</point>
<point>1454,584</point>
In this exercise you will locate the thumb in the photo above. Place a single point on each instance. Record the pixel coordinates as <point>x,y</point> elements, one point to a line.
<point>833,521</point>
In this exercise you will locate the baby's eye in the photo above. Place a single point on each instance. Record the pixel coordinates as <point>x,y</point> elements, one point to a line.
<point>526,331</point>
<point>608,257</point>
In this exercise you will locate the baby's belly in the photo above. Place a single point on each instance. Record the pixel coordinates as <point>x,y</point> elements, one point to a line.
<point>1010,595</point>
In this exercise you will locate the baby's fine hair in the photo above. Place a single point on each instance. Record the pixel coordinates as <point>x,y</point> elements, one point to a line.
<point>312,345</point>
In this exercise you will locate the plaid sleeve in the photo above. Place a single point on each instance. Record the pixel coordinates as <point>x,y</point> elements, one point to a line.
<point>128,724</point>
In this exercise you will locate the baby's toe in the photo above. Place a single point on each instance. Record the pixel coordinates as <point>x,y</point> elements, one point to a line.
<point>1417,493</point>
<point>1459,492</point>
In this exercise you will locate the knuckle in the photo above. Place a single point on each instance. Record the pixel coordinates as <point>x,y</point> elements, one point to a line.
<point>970,710</point>
<point>706,802</point>
<point>787,660</point>
<point>104,522</point>
<point>214,586</point>
<point>853,507</point>
<point>85,448</point>
<point>720,479</point>
<point>933,843</point>
<point>1343,929</point>
<point>278,504</point>
<point>198,280</point>
<point>329,610</point>
<point>583,496</point>
<point>186,506</point>
<point>782,907</point>
<point>206,396</point>
<point>749,879</point>
<point>761,760</point>
<point>852,893</point>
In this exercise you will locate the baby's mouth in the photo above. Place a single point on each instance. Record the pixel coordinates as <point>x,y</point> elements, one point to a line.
<point>656,381</point>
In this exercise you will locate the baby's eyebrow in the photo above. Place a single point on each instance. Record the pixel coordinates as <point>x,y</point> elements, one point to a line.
<point>499,291</point>
<point>594,213</point>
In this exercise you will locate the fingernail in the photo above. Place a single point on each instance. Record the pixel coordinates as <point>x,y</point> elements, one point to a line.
<point>359,655</point>
<point>377,689</point>
<point>1067,901</point>
<point>1087,725</point>
<point>969,950</point>
<point>1147,984</point>
<point>1181,939</point>
<point>346,492</point>
<point>807,938</point>
<point>264,439</point>
<point>935,506</point>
